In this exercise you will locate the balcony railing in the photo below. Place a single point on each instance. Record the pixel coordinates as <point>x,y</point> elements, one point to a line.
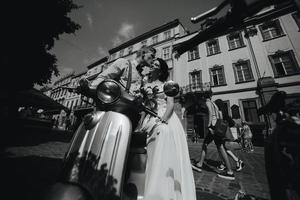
<point>197,87</point>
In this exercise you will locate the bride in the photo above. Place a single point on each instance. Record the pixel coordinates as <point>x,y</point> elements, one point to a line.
<point>168,171</point>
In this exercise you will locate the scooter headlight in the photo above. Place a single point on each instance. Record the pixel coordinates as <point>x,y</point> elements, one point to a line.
<point>108,91</point>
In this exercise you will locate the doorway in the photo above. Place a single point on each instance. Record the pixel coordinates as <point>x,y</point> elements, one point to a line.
<point>199,124</point>
<point>197,119</point>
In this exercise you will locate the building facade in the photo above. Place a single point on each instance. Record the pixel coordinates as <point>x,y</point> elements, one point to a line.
<point>73,99</point>
<point>59,94</point>
<point>236,63</point>
<point>242,67</point>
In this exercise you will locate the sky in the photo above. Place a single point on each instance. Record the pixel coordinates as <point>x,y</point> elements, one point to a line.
<point>108,23</point>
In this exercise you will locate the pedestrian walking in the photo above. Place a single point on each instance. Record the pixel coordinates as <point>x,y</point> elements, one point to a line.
<point>213,115</point>
<point>229,137</point>
<point>247,137</point>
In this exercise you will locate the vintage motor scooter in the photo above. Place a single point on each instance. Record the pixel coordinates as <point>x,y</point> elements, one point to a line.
<point>106,158</point>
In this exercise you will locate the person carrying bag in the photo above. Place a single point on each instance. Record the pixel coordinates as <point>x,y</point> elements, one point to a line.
<point>215,133</point>
<point>220,126</point>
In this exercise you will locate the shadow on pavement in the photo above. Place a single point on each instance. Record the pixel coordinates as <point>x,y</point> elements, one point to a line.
<point>211,162</point>
<point>26,177</point>
<point>34,136</point>
<point>207,196</point>
<point>208,165</point>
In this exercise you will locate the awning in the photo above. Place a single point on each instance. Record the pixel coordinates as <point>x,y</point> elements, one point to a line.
<point>36,98</point>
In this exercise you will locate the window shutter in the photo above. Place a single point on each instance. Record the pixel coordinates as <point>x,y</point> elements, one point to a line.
<point>211,77</point>
<point>294,61</point>
<point>223,75</point>
<point>250,69</point>
<point>235,72</point>
<point>228,40</point>
<point>218,46</point>
<point>273,65</point>
<point>207,50</point>
<point>278,26</point>
<point>241,39</point>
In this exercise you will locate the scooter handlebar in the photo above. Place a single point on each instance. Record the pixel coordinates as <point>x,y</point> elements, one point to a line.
<point>154,114</point>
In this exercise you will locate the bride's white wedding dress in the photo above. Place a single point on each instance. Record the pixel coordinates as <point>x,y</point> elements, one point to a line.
<point>169,174</point>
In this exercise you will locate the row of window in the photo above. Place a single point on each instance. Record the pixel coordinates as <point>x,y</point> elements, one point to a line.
<point>269,30</point>
<point>72,104</point>
<point>283,64</point>
<point>235,40</point>
<point>242,72</point>
<point>249,107</point>
<point>61,93</point>
<point>58,93</point>
<point>77,102</point>
<point>154,40</point>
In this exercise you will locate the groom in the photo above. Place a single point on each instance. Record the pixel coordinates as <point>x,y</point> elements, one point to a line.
<point>119,69</point>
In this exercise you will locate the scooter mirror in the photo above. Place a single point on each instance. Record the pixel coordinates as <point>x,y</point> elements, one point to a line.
<point>171,88</point>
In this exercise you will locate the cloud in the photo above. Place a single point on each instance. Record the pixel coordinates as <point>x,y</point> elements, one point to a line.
<point>67,70</point>
<point>116,41</point>
<point>125,32</point>
<point>102,51</point>
<point>89,18</point>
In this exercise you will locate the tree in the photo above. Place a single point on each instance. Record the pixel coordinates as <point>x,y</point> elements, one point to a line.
<point>29,29</point>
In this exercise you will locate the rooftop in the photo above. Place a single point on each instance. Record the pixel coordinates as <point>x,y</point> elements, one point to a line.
<point>102,60</point>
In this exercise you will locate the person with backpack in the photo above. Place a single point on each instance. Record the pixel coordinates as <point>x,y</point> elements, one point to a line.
<point>213,115</point>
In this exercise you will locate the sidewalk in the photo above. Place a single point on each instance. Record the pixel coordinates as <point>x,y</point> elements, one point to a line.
<point>252,179</point>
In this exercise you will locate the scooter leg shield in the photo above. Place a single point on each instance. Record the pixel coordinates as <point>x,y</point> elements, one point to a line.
<point>61,191</point>
<point>98,153</point>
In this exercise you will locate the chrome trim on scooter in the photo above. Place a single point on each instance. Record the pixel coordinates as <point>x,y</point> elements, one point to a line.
<point>115,150</point>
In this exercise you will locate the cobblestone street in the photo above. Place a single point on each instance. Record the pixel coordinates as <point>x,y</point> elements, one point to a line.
<point>252,179</point>
<point>30,168</point>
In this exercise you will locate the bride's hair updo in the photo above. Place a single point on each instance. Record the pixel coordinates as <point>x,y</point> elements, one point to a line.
<point>164,70</point>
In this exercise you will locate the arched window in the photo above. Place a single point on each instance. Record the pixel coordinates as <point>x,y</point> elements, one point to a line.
<point>235,110</point>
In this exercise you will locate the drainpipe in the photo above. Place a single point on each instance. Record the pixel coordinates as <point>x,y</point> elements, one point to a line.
<point>249,32</point>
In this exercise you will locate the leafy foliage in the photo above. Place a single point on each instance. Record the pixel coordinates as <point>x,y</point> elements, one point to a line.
<point>29,29</point>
